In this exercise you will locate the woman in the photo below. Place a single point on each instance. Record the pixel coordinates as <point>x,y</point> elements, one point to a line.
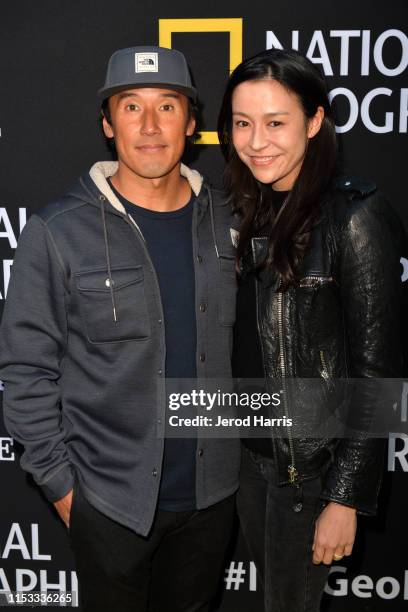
<point>318,297</point>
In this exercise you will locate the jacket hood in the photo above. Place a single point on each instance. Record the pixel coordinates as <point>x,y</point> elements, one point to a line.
<point>96,182</point>
<point>95,189</point>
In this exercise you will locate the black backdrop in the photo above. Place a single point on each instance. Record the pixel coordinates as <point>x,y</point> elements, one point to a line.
<point>52,60</point>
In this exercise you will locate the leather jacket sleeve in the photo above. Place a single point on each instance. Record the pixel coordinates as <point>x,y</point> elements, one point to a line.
<point>369,249</point>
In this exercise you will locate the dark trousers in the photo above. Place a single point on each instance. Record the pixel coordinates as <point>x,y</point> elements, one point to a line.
<point>280,539</point>
<point>177,568</point>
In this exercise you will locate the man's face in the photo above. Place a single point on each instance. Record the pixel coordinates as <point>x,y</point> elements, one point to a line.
<point>149,126</point>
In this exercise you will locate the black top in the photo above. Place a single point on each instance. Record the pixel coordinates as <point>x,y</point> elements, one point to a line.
<point>247,360</point>
<point>168,237</point>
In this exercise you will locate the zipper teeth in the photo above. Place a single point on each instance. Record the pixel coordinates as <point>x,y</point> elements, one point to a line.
<point>259,328</point>
<point>311,281</point>
<point>281,339</point>
<point>325,371</point>
<point>292,472</point>
<point>282,356</point>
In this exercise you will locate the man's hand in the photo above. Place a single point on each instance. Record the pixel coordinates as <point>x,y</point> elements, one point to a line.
<point>63,507</point>
<point>335,532</point>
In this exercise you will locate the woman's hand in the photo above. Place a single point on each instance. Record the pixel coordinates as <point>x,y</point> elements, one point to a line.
<point>335,532</point>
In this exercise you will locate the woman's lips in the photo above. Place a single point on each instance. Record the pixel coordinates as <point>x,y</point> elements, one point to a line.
<point>262,160</point>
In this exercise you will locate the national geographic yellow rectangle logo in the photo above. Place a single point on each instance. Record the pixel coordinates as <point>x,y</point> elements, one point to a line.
<point>233,26</point>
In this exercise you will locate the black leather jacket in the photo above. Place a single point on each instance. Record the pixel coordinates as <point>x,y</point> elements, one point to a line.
<point>341,320</point>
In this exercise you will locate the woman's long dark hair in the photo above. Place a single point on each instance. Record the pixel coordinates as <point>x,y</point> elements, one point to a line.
<point>253,200</point>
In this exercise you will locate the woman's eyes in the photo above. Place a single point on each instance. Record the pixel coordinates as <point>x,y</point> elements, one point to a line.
<point>242,124</point>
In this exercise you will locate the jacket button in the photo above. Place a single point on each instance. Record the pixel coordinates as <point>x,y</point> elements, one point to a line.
<point>200,452</point>
<point>199,259</point>
<point>202,308</point>
<point>154,472</point>
<point>160,321</point>
<point>160,372</point>
<point>202,357</point>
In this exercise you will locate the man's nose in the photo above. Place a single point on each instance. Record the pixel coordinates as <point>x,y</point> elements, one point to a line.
<point>150,124</point>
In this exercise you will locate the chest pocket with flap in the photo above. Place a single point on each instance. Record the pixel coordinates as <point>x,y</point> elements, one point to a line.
<point>96,307</point>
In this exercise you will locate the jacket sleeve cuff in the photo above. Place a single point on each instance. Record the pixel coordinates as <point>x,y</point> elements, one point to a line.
<point>363,510</point>
<point>344,490</point>
<point>59,484</point>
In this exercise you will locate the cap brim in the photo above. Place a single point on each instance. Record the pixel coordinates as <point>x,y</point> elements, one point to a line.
<point>107,92</point>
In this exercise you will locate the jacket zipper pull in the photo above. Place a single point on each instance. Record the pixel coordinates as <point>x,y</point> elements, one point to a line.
<point>292,471</point>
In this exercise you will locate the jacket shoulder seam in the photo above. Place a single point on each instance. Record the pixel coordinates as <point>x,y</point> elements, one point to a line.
<point>55,248</point>
<point>48,218</point>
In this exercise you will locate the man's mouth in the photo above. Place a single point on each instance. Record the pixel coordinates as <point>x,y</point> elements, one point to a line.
<point>150,148</point>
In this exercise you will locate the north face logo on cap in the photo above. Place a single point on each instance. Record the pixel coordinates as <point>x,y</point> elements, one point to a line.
<point>146,62</point>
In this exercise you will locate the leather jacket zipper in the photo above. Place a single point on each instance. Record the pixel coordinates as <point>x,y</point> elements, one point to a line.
<point>325,371</point>
<point>292,471</point>
<point>315,281</point>
<point>259,328</point>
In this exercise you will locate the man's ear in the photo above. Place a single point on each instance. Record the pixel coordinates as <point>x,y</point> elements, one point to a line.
<point>107,128</point>
<point>191,124</point>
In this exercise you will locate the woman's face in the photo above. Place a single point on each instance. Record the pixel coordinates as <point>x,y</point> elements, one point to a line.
<point>270,131</point>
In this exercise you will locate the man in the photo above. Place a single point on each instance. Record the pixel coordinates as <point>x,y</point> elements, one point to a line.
<point>126,280</point>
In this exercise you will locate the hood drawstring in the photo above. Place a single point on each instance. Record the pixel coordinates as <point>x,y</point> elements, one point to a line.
<point>107,254</point>
<point>213,221</point>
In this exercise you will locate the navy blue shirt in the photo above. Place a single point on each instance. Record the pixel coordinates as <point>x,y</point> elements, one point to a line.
<point>169,241</point>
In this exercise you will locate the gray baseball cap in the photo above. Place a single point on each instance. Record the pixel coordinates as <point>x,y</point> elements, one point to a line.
<point>147,67</point>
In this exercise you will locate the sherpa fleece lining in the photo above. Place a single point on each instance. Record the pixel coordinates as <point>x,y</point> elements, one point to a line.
<point>102,170</point>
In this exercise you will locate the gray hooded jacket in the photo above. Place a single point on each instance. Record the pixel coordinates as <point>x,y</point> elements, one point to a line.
<point>82,351</point>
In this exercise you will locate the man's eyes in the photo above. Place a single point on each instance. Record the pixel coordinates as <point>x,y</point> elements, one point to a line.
<point>133,107</point>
